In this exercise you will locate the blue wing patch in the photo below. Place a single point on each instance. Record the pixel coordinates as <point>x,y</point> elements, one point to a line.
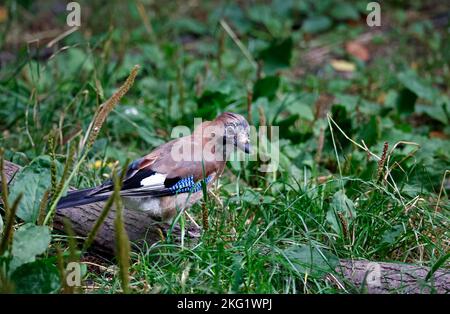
<point>188,185</point>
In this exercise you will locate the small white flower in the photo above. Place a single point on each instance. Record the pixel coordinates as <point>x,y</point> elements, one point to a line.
<point>131,111</point>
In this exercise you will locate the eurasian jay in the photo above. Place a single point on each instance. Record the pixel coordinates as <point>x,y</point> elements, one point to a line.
<point>169,178</point>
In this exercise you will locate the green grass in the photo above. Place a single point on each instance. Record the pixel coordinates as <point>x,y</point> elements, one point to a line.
<point>328,200</point>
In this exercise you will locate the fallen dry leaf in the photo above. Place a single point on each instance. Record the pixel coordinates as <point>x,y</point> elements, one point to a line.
<point>381,98</point>
<point>343,66</point>
<point>323,179</point>
<point>357,50</point>
<point>438,134</point>
<point>3,14</point>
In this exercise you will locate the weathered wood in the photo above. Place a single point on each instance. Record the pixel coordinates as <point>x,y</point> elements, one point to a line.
<point>394,278</point>
<point>9,170</point>
<point>382,277</point>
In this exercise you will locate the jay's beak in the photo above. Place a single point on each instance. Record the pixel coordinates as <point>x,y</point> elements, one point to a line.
<point>247,148</point>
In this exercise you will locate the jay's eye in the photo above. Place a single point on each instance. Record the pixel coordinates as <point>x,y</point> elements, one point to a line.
<point>229,131</point>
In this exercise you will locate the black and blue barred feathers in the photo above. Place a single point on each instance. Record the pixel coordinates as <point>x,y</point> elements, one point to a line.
<point>188,185</point>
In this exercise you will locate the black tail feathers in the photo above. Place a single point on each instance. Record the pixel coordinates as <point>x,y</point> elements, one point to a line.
<point>78,198</point>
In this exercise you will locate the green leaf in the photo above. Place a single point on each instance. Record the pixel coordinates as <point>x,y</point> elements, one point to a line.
<point>277,55</point>
<point>348,101</point>
<point>213,98</point>
<point>210,102</point>
<point>333,221</point>
<point>189,26</point>
<point>267,16</point>
<point>29,240</point>
<point>255,198</point>
<point>149,137</point>
<point>309,260</point>
<point>316,24</point>
<point>344,11</point>
<point>411,81</point>
<point>303,110</point>
<point>406,101</point>
<point>266,87</point>
<point>434,111</point>
<point>340,204</point>
<point>1,225</point>
<point>74,61</point>
<point>371,131</point>
<point>390,236</point>
<point>155,54</point>
<point>37,277</point>
<point>33,180</point>
<point>238,272</point>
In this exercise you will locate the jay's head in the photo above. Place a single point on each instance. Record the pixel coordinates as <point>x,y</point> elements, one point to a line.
<point>236,130</point>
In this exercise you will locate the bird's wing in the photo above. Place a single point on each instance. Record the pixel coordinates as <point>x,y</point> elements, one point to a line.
<point>159,174</point>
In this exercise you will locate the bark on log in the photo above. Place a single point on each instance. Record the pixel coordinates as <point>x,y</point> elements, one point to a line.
<point>393,277</point>
<point>382,277</point>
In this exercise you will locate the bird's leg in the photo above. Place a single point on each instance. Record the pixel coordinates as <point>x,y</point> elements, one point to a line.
<point>193,231</point>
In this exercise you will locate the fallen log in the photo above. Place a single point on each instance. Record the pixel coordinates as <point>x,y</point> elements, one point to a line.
<point>365,276</point>
<point>381,277</point>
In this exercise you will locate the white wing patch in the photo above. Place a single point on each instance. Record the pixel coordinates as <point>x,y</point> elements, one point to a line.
<point>155,180</point>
